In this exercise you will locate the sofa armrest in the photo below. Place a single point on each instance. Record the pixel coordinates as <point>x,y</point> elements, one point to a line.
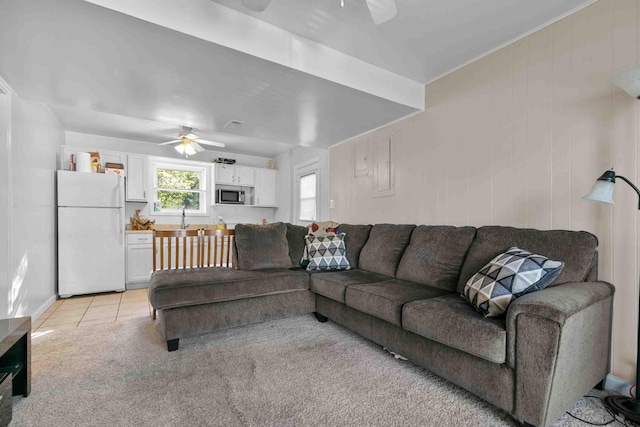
<point>558,343</point>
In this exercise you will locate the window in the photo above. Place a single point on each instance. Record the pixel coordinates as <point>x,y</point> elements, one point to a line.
<point>307,207</point>
<point>306,191</point>
<point>179,185</point>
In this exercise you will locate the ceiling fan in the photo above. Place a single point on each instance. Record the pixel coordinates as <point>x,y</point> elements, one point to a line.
<point>190,142</point>
<point>381,10</point>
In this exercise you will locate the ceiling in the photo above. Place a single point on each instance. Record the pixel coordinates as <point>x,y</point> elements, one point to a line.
<point>301,73</point>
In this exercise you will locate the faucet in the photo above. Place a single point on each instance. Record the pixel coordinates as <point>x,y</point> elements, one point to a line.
<point>183,225</point>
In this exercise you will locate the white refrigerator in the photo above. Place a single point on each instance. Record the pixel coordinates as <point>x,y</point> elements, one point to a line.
<point>91,251</point>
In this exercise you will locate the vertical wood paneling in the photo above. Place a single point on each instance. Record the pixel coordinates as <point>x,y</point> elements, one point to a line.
<point>624,155</point>
<point>520,131</point>
<point>592,67</point>
<point>518,138</point>
<point>502,145</point>
<point>562,105</point>
<point>457,150</point>
<point>478,132</point>
<point>539,144</point>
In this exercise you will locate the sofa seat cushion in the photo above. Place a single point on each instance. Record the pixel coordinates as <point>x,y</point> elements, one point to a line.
<point>384,300</point>
<point>334,284</point>
<point>451,321</point>
<point>175,288</point>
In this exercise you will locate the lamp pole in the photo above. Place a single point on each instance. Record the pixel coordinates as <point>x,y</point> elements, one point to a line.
<point>628,407</point>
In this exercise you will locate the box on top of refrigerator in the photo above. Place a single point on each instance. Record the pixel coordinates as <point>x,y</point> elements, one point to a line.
<point>114,168</point>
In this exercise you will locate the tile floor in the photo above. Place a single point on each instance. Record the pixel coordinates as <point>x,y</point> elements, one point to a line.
<point>94,310</point>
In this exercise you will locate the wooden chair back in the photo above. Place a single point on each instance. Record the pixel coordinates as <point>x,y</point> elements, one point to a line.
<point>179,245</point>
<point>216,248</point>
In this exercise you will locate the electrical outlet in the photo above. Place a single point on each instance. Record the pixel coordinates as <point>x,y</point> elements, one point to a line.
<point>332,204</point>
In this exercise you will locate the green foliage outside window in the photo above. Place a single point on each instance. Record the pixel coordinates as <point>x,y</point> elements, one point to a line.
<point>174,186</point>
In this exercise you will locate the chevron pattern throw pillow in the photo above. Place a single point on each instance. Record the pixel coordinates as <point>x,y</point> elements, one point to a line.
<point>327,253</point>
<point>507,277</point>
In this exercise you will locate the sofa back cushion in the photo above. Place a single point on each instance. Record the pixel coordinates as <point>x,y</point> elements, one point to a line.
<point>384,248</point>
<point>435,255</point>
<point>295,238</point>
<point>575,248</point>
<point>355,238</point>
<point>262,246</point>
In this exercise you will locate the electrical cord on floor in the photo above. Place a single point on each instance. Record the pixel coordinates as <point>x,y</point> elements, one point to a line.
<point>614,417</point>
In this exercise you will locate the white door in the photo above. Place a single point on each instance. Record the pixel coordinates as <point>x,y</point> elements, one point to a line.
<point>224,174</point>
<point>245,176</point>
<point>266,187</point>
<point>136,178</point>
<point>90,251</point>
<point>89,189</point>
<point>139,263</point>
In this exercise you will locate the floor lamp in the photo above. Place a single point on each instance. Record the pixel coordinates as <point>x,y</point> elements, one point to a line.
<point>602,191</point>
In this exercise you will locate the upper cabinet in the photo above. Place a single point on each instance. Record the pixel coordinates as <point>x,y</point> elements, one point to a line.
<point>225,174</point>
<point>234,175</point>
<point>259,184</point>
<point>245,176</point>
<point>266,187</point>
<point>137,178</point>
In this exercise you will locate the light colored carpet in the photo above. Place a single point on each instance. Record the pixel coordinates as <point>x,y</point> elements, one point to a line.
<point>291,372</point>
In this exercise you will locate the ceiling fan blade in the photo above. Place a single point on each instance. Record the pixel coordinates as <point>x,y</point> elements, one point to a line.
<point>199,148</point>
<point>170,142</point>
<point>382,10</point>
<point>215,144</point>
<point>256,5</point>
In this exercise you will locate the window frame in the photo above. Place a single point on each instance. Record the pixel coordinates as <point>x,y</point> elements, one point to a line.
<point>310,167</point>
<point>202,170</point>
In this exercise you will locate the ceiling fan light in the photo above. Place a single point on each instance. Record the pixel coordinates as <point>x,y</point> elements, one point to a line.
<point>180,148</point>
<point>189,150</point>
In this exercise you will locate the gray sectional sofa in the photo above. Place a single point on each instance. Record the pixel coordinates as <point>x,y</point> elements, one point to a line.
<point>403,292</point>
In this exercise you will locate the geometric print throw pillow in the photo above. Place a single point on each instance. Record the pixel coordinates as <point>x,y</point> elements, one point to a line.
<point>507,277</point>
<point>327,253</point>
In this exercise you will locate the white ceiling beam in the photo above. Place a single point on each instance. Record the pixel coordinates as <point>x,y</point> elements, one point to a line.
<point>215,23</point>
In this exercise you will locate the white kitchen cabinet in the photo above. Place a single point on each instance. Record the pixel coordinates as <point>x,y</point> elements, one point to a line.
<point>137,178</point>
<point>234,175</point>
<point>266,187</point>
<point>139,259</point>
<point>225,174</point>
<point>245,176</point>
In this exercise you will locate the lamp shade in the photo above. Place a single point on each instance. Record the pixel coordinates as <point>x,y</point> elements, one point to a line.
<point>602,191</point>
<point>628,80</point>
<point>185,148</point>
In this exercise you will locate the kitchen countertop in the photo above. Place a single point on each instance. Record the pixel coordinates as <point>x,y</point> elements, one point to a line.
<point>171,227</point>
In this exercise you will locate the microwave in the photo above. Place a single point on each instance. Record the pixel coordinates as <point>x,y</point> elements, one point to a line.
<point>230,197</point>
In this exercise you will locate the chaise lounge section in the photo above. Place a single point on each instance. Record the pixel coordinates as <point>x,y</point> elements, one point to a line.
<point>403,292</point>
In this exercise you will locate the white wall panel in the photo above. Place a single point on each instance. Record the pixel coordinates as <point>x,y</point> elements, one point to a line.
<point>36,137</point>
<point>5,203</point>
<point>531,126</point>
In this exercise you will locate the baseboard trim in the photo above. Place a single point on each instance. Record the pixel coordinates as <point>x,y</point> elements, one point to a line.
<point>48,303</point>
<point>617,384</point>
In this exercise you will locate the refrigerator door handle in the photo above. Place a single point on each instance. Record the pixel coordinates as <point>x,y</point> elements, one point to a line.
<point>120,230</point>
